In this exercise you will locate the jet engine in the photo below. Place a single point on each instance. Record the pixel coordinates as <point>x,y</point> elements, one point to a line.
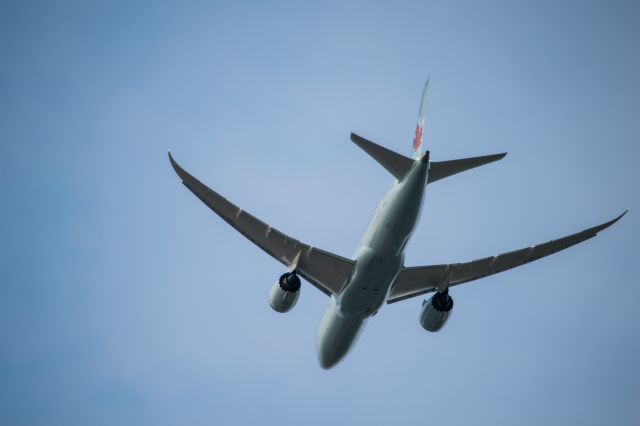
<point>284,294</point>
<point>436,311</point>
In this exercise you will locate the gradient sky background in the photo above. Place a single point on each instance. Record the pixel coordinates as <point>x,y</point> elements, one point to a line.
<point>124,300</point>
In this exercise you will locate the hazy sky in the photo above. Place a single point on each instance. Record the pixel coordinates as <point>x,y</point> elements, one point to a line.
<point>125,301</point>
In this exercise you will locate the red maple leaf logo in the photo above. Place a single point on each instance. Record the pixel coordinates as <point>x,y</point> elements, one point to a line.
<point>417,141</point>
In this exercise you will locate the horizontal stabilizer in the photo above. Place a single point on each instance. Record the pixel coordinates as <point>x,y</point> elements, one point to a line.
<point>442,169</point>
<point>396,164</point>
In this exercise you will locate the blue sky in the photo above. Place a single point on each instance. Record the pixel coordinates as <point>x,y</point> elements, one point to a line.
<point>123,300</point>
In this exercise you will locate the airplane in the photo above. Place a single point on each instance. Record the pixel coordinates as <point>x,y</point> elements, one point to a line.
<point>376,273</point>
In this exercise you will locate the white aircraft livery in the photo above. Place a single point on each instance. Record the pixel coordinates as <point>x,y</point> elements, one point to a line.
<point>376,274</point>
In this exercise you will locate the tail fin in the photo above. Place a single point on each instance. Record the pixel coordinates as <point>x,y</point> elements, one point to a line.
<point>417,139</point>
<point>442,169</point>
<point>398,165</point>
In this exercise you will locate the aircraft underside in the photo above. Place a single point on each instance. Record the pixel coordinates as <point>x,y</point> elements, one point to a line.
<point>376,274</point>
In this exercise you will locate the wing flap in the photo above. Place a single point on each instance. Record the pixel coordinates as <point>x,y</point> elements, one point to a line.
<point>326,271</point>
<point>415,281</point>
<point>321,266</point>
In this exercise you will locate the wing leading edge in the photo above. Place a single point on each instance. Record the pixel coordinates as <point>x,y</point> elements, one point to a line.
<point>326,271</point>
<point>416,281</point>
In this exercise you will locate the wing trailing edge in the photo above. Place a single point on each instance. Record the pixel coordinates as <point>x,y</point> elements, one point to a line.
<point>415,281</point>
<point>326,271</point>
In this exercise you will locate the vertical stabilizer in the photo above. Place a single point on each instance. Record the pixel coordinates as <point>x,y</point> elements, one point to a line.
<point>417,139</point>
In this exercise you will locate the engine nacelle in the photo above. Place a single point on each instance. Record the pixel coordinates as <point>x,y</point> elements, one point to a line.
<point>284,294</point>
<point>436,311</point>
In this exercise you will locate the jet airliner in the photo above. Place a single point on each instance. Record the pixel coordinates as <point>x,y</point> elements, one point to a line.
<point>376,273</point>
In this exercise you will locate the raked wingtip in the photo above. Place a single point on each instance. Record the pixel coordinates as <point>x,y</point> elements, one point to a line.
<point>176,167</point>
<point>617,218</point>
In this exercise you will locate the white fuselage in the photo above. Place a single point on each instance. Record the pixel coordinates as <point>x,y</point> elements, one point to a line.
<point>379,258</point>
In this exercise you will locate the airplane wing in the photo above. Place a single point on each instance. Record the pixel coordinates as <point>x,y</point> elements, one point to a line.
<point>326,271</point>
<point>419,280</point>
